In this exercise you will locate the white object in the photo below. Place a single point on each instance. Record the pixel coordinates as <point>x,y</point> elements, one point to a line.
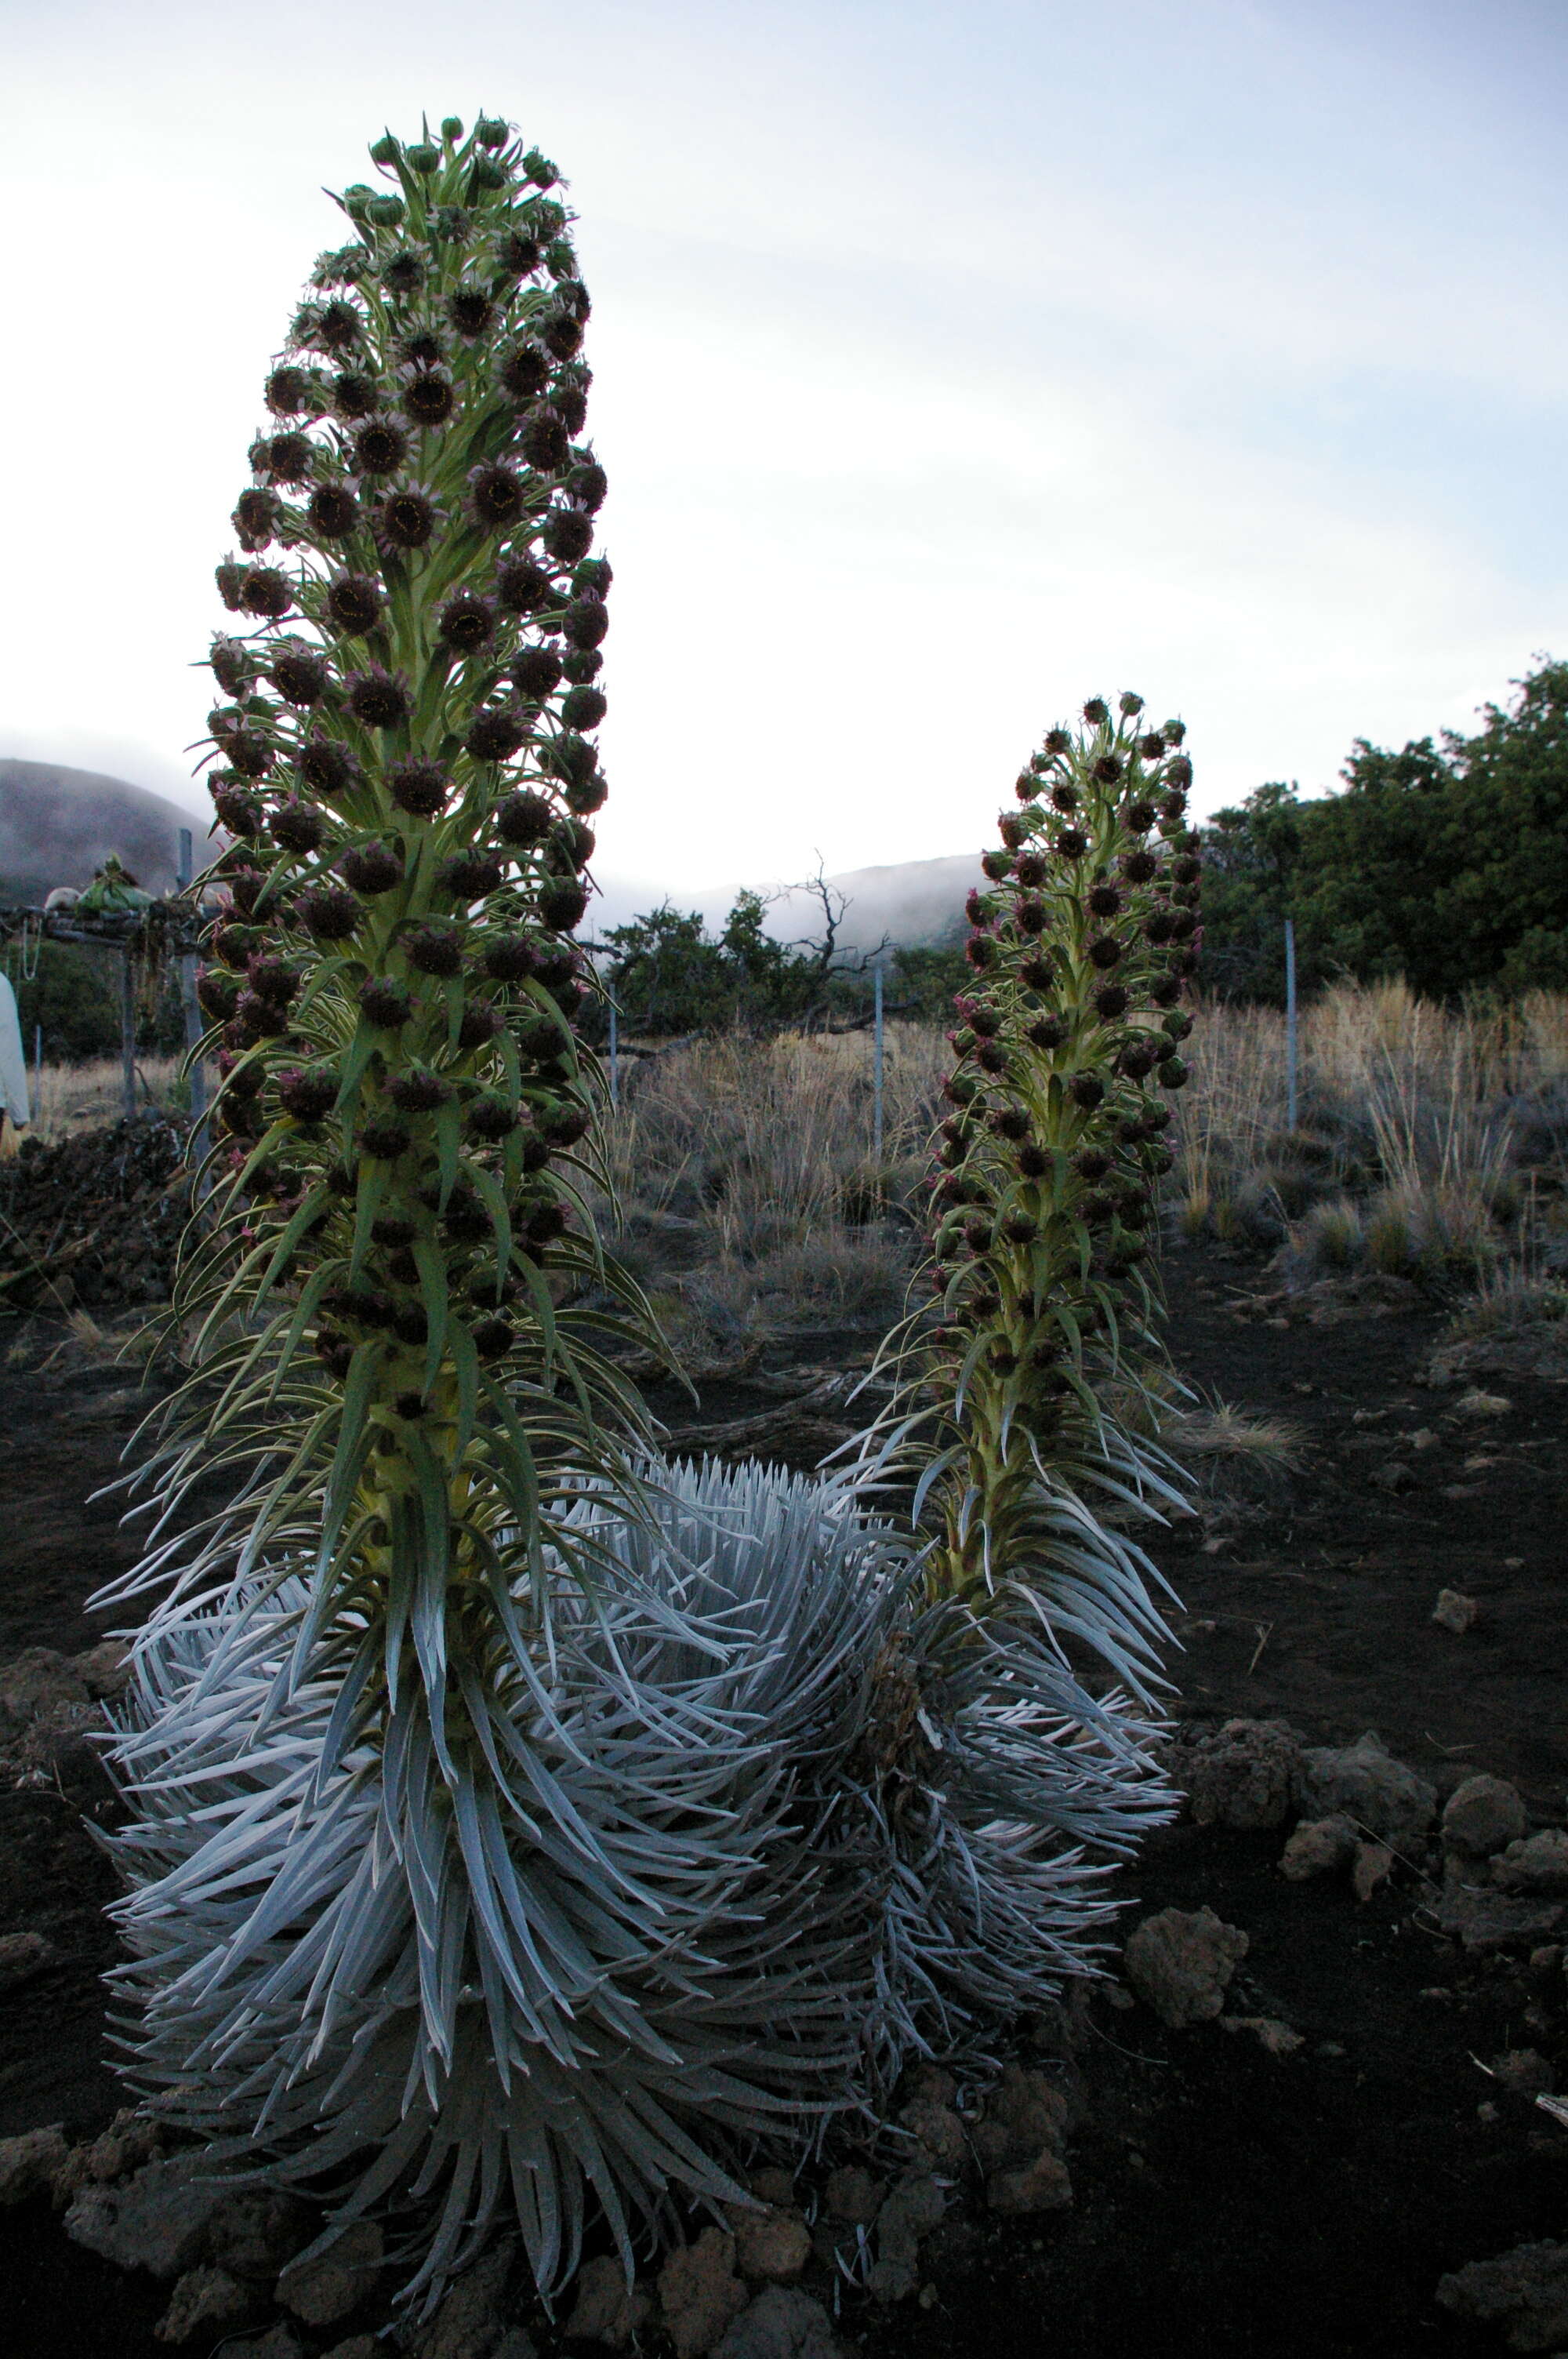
<point>13,1102</point>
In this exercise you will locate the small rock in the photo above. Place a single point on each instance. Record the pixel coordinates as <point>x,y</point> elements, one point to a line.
<point>1274,2038</point>
<point>1423,1437</point>
<point>934,2084</point>
<point>1524,2072</point>
<point>130,2140</point>
<point>852,2194</point>
<point>1455,1611</point>
<point>773,2247</point>
<point>1393,1474</point>
<point>257,2231</point>
<point>157,2221</point>
<point>938,2130</point>
<point>1481,1815</point>
<point>914,2207</point>
<point>470,2320</point>
<point>782,2323</point>
<point>1317,1847</point>
<point>772,2185</point>
<point>1372,1865</point>
<point>1526,2289</point>
<point>29,2163</point>
<point>205,2297</point>
<point>1042,2185</point>
<point>1489,1922</point>
<point>104,1670</point>
<point>1477,1403</point>
<point>700,2292</point>
<point>1180,1962</point>
<point>1538,1864</point>
<point>280,2342</point>
<point>33,1682</point>
<point>1239,1776</point>
<point>608,2309</point>
<point>321,2287</point>
<point>23,1955</point>
<point>1024,2112</point>
<point>1364,1782</point>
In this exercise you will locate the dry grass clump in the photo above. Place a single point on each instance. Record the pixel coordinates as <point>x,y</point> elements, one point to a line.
<point>70,1098</point>
<point>1422,1132</point>
<point>750,1202</point>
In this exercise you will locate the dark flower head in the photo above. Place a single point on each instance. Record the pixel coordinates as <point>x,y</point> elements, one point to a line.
<point>1129,705</point>
<point>585,796</point>
<point>492,1338</point>
<point>587,485</point>
<point>1057,741</point>
<point>337,327</point>
<point>1153,746</point>
<point>524,370</point>
<point>333,512</point>
<point>1183,925</point>
<point>1138,1060</point>
<point>403,272</point>
<point>479,1023</point>
<point>1034,1162</point>
<point>496,495</point>
<point>296,826</point>
<point>1064,796</point>
<point>583,708</point>
<point>240,813</point>
<point>418,1091</point>
<point>380,447</point>
<point>567,535</point>
<point>385,1138</point>
<point>327,767</point>
<point>387,1004</point>
<point>421,349</point>
<point>537,674</point>
<point>1174,1074</point>
<point>420,787</point>
<point>1180,771</point>
<point>991,1057</point>
<point>467,622</point>
<point>1097,712</point>
<point>255,517</point>
<point>524,818</point>
<point>517,255</point>
<point>230,664</point>
<point>509,958</point>
<point>1186,870</point>
<point>329,913</point>
<point>286,392</point>
<point>562,903</point>
<point>288,458</point>
<point>428,396</point>
<point>996,866</point>
<point>407,518</point>
<point>1013,830</point>
<point>1026,786</point>
<point>522,587</point>
<point>1033,870</point>
<point>335,1353</point>
<point>468,876</point>
<point>216,993</point>
<point>1105,899</point>
<point>377,697</point>
<point>1047,1032</point>
<point>572,757</point>
<point>1138,867</point>
<point>1031,917</point>
<point>1087,1090</point>
<point>587,620</point>
<point>356,395</point>
<point>245,885</point>
<point>1071,843</point>
<point>235,945</point>
<point>1140,816</point>
<point>1105,951</point>
<point>561,334</point>
<point>492,1117</point>
<point>299,673</point>
<point>354,603</point>
<point>1108,768</point>
<point>371,868</point>
<point>494,735</point>
<point>543,438</point>
<point>1038,972</point>
<point>470,310</point>
<point>593,577</point>
<point>308,1096</point>
<point>980,951</point>
<point>1158,925</point>
<point>264,591</point>
<point>435,950</point>
<point>247,752</point>
<point>571,846</point>
<point>1111,1000</point>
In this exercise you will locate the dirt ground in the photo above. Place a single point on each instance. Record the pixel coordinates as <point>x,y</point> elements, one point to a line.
<point>1229,2202</point>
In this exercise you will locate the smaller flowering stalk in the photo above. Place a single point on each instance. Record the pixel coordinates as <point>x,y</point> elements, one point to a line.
<point>1050,1159</point>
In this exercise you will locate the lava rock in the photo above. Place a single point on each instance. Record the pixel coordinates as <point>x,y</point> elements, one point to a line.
<point>772,2246</point>
<point>1487,1921</point>
<point>1042,2185</point>
<point>853,2195</point>
<point>280,2342</point>
<point>1364,1783</point>
<point>23,1955</point>
<point>1454,1611</point>
<point>1538,1864</point>
<point>1025,2112</point>
<point>104,1670</point>
<point>204,2298</point>
<point>1274,2038</point>
<point>608,2309</point>
<point>1180,1963</point>
<point>914,2207</point>
<point>29,2163</point>
<point>781,2323</point>
<point>1241,1775</point>
<point>321,2287</point>
<point>257,2231</point>
<point>700,2292</point>
<point>38,1679</point>
<point>1525,2289</point>
<point>471,2319</point>
<point>1371,1867</point>
<point>1482,1815</point>
<point>1524,2072</point>
<point>157,2221</point>
<point>1317,1847</point>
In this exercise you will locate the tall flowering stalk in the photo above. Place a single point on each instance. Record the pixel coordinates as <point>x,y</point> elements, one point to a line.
<point>467,1873</point>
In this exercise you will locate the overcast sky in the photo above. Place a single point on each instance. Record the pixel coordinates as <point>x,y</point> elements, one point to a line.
<point>952,361</point>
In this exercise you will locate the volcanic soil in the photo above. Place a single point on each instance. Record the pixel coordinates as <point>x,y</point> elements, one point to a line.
<point>1229,2201</point>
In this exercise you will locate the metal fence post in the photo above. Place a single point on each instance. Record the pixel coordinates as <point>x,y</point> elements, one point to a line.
<point>1290,1026</point>
<point>877,1067</point>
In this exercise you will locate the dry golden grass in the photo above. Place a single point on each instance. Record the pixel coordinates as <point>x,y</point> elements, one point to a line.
<point>70,1098</point>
